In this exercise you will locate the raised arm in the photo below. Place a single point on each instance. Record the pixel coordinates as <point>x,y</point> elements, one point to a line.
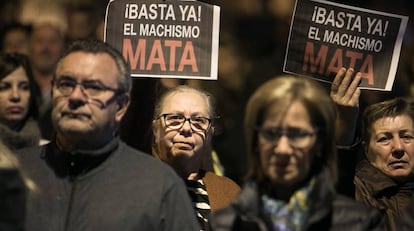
<point>345,93</point>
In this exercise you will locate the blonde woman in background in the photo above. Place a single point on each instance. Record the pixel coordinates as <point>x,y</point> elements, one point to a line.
<point>290,134</point>
<point>13,186</point>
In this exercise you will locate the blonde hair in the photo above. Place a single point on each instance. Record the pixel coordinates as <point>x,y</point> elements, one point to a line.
<point>284,90</point>
<point>9,161</point>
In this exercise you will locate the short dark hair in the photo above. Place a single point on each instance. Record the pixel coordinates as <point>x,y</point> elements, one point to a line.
<point>389,108</point>
<point>96,46</point>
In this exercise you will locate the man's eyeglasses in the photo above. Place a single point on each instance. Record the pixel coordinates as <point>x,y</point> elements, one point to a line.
<point>93,89</point>
<point>176,121</point>
<point>298,138</point>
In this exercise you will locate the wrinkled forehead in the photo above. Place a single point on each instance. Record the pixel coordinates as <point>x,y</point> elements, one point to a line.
<point>294,112</point>
<point>81,65</point>
<point>186,103</point>
<point>400,122</point>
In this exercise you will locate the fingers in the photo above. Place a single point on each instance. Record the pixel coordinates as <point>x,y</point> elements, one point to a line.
<point>354,91</point>
<point>344,89</point>
<point>344,85</point>
<point>337,80</point>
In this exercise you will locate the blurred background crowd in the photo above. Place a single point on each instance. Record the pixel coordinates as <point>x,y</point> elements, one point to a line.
<point>253,37</point>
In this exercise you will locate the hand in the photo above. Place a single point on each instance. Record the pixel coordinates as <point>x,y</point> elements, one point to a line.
<point>344,89</point>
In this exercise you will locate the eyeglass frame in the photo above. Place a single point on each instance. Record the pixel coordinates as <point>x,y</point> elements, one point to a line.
<point>116,92</point>
<point>284,132</point>
<point>164,115</point>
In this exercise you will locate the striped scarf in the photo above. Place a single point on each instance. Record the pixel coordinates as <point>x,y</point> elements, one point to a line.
<point>201,204</point>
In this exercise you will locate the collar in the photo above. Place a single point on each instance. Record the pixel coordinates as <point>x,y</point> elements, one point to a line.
<point>78,162</point>
<point>377,182</point>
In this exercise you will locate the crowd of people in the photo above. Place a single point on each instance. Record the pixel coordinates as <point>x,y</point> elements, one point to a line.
<point>83,146</point>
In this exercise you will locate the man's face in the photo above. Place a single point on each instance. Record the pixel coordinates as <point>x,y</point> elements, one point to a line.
<point>391,147</point>
<point>77,114</point>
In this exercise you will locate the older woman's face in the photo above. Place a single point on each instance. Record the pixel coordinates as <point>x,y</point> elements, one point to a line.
<point>14,97</point>
<point>182,145</point>
<point>285,145</point>
<point>391,147</point>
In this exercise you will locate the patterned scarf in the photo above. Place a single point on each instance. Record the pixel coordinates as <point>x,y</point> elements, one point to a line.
<point>290,216</point>
<point>199,197</point>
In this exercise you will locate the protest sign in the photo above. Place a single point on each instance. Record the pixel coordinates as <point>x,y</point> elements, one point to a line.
<point>165,39</point>
<point>325,36</point>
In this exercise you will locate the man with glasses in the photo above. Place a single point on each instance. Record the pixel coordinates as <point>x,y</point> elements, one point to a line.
<point>183,130</point>
<point>87,179</point>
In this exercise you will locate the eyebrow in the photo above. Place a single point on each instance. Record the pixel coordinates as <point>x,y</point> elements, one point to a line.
<point>194,114</point>
<point>68,77</point>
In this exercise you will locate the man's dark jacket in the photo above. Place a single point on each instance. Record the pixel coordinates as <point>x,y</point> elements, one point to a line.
<point>114,188</point>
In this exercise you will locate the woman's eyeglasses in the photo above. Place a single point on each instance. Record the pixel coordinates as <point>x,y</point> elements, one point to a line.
<point>297,137</point>
<point>177,121</point>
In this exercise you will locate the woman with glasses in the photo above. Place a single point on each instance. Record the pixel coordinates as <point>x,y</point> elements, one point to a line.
<point>290,135</point>
<point>18,111</point>
<point>183,130</point>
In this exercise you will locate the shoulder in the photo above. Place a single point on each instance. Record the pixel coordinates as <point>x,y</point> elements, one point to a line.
<point>127,153</point>
<point>221,186</point>
<point>29,154</point>
<point>221,181</point>
<point>142,163</point>
<point>371,179</point>
<point>348,211</point>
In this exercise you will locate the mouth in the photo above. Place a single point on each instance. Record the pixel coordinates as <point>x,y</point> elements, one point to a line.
<point>398,164</point>
<point>73,115</point>
<point>15,109</point>
<point>184,145</point>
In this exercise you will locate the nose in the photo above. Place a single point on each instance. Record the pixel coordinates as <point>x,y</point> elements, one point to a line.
<point>77,98</point>
<point>77,92</point>
<point>398,148</point>
<point>15,94</point>
<point>282,145</point>
<point>397,143</point>
<point>186,125</point>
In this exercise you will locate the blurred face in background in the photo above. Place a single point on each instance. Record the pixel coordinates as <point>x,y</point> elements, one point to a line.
<point>16,40</point>
<point>391,147</point>
<point>14,97</point>
<point>45,47</point>
<point>80,25</point>
<point>285,144</point>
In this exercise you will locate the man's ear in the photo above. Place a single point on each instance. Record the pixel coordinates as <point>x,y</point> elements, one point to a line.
<point>123,102</point>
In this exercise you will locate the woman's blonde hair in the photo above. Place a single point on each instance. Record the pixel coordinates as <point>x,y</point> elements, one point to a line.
<point>283,91</point>
<point>9,161</point>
